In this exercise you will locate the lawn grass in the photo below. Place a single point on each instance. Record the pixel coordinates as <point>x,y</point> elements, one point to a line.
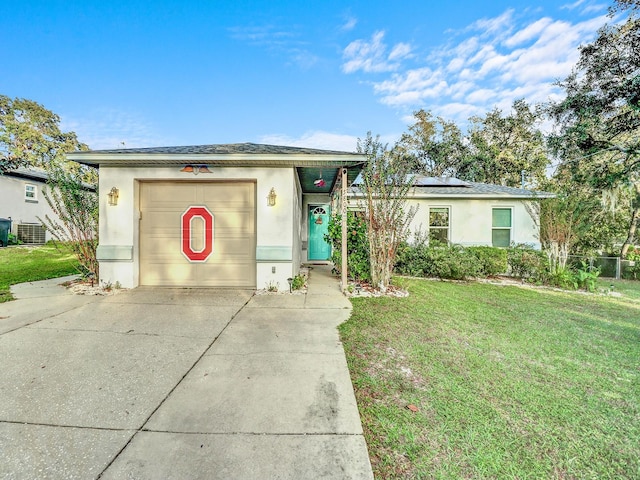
<point>509,382</point>
<point>28,264</point>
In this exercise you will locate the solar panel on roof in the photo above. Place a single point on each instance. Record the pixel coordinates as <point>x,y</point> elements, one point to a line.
<point>439,182</point>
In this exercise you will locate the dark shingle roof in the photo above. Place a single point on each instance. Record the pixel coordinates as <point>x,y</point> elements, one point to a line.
<point>29,173</point>
<point>479,189</point>
<point>448,187</point>
<point>225,149</point>
<point>231,155</point>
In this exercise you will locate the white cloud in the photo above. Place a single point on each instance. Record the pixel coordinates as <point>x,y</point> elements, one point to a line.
<point>572,6</point>
<point>529,32</point>
<point>499,26</point>
<point>481,95</point>
<point>112,128</point>
<point>277,41</point>
<point>349,24</point>
<point>401,50</point>
<point>314,139</point>
<point>371,55</point>
<point>492,62</point>
<point>586,7</point>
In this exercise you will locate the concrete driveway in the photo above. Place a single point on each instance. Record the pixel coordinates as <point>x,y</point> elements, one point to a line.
<point>177,383</point>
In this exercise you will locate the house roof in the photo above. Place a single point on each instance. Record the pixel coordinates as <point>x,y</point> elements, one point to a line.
<point>223,149</point>
<point>449,187</point>
<point>311,164</point>
<point>36,174</point>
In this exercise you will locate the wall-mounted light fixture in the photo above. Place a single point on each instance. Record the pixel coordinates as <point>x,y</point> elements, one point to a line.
<point>196,169</point>
<point>113,195</point>
<point>271,198</point>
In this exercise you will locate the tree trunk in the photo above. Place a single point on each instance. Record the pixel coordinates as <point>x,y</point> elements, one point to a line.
<point>631,233</point>
<point>633,225</point>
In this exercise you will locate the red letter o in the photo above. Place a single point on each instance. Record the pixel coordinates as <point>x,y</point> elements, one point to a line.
<point>187,216</point>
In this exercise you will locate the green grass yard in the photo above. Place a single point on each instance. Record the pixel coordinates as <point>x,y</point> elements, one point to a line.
<point>508,382</point>
<point>28,264</point>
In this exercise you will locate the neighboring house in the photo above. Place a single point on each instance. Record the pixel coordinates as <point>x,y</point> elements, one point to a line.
<point>22,202</point>
<point>235,215</point>
<point>469,213</point>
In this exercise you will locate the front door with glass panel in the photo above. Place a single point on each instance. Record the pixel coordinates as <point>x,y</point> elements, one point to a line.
<point>319,248</point>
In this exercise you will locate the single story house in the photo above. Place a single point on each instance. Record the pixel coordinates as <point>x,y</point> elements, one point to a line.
<point>469,213</point>
<point>22,202</point>
<point>233,215</point>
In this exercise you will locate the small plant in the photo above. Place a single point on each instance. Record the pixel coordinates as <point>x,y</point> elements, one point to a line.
<point>13,240</point>
<point>586,277</point>
<point>108,286</point>
<point>272,286</point>
<point>563,278</point>
<point>297,283</point>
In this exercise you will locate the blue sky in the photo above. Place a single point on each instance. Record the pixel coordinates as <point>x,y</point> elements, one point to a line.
<point>317,74</point>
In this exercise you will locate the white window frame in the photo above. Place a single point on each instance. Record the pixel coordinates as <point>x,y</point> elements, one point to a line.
<point>447,228</point>
<point>34,190</point>
<point>502,207</point>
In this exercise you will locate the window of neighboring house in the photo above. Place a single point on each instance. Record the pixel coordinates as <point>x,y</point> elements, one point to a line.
<point>31,192</point>
<point>501,227</point>
<point>439,224</point>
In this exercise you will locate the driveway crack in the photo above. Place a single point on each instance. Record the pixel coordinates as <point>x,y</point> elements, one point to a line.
<point>173,389</point>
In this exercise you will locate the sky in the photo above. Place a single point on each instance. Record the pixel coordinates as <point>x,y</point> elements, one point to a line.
<point>316,74</point>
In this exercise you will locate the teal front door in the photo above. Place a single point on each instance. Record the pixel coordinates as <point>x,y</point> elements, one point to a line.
<point>319,249</point>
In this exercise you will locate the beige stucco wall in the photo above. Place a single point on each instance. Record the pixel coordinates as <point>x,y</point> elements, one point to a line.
<point>275,226</point>
<point>13,204</point>
<point>470,220</point>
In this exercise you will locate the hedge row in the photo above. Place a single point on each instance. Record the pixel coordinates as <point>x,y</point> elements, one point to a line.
<point>451,261</point>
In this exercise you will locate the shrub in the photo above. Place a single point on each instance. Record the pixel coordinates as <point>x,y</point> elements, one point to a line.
<point>437,260</point>
<point>527,264</point>
<point>491,260</point>
<point>632,272</point>
<point>452,262</point>
<point>358,264</point>
<point>76,217</point>
<point>412,260</point>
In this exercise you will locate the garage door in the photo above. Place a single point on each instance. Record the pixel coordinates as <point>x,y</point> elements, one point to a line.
<point>198,234</point>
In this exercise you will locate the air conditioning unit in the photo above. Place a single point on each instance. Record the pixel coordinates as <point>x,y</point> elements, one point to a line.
<point>31,233</point>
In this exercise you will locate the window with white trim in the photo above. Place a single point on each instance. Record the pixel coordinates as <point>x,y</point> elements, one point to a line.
<point>30,192</point>
<point>501,223</point>
<point>439,224</point>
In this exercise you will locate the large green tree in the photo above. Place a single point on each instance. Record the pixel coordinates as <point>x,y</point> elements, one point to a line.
<point>504,147</point>
<point>497,149</point>
<point>433,146</point>
<point>30,135</point>
<point>599,118</point>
